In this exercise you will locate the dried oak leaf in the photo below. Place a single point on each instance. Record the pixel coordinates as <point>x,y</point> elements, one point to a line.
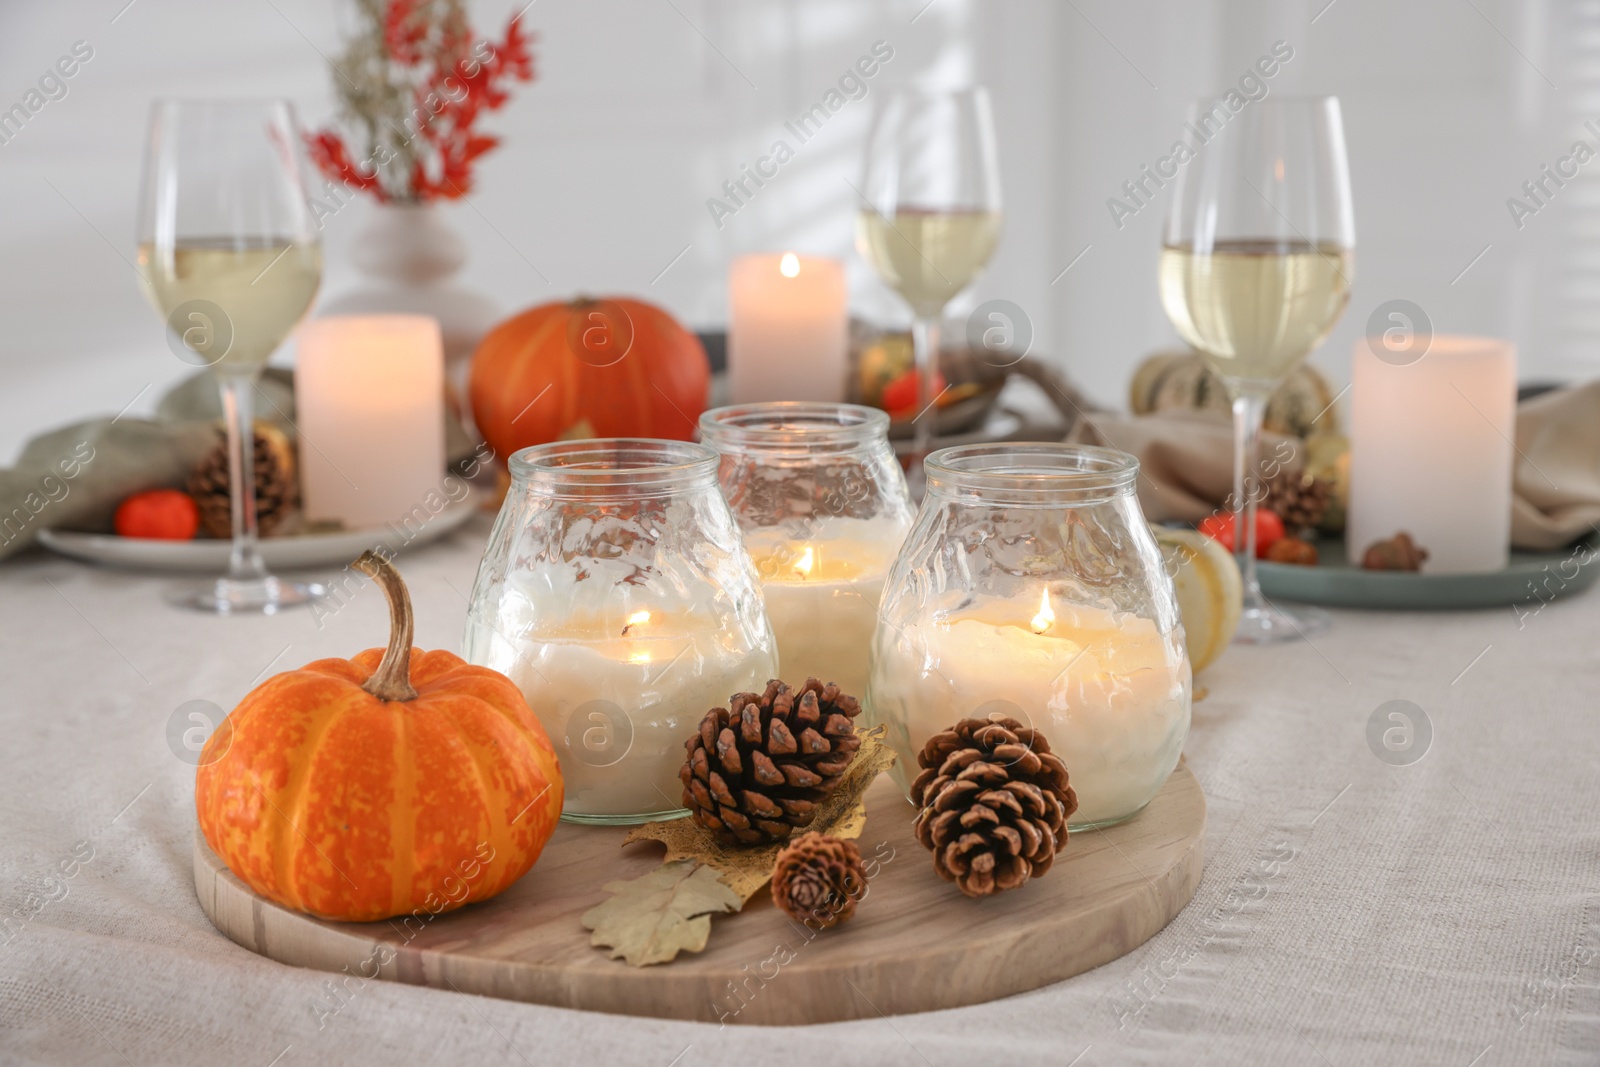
<point>745,870</point>
<point>653,918</point>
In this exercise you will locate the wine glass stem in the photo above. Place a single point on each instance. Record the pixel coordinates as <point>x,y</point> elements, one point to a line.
<point>238,401</point>
<point>1249,409</point>
<point>925,349</point>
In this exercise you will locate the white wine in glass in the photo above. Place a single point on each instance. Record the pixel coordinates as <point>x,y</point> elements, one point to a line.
<point>230,256</point>
<point>1255,308</point>
<point>234,275</point>
<point>1255,270</point>
<point>928,256</point>
<point>930,218</point>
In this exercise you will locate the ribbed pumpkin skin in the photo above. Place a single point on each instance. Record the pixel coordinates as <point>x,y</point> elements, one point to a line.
<point>333,802</point>
<point>658,389</point>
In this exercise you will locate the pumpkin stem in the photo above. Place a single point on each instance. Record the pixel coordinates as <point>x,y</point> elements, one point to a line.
<point>392,679</point>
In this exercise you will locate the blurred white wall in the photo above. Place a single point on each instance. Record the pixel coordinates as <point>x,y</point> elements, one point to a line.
<point>644,107</point>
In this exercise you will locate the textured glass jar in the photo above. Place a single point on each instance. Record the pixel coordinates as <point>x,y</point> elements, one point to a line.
<point>1031,587</point>
<point>616,593</point>
<point>823,506</point>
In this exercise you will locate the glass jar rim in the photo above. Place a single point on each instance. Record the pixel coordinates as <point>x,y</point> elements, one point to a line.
<point>1032,473</point>
<point>805,426</point>
<point>623,466</point>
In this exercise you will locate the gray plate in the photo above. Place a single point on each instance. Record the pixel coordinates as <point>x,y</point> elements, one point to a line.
<point>1530,576</point>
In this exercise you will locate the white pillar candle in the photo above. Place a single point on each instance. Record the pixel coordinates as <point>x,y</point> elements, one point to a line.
<point>1431,453</point>
<point>822,598</point>
<point>788,329</point>
<point>1110,694</point>
<point>369,399</point>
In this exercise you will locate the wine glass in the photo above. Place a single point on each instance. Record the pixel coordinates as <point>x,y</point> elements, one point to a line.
<point>929,218</point>
<point>1255,270</point>
<point>229,254</point>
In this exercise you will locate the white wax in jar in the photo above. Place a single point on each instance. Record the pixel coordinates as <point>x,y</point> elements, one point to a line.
<point>618,688</point>
<point>1110,693</point>
<point>823,618</point>
<point>822,597</point>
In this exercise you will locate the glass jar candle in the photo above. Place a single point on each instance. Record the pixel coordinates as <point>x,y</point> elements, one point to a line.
<point>1032,587</point>
<point>616,593</point>
<point>823,506</point>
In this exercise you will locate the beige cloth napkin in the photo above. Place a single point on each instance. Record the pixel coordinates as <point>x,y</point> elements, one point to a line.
<point>1185,457</point>
<point>1557,483</point>
<point>1186,464</point>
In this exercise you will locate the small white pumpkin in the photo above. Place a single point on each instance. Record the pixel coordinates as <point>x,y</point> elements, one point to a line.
<point>1209,591</point>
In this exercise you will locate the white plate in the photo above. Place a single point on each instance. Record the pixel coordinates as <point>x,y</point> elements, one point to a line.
<point>280,553</point>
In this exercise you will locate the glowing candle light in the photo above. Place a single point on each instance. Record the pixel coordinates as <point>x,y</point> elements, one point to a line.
<point>1046,617</point>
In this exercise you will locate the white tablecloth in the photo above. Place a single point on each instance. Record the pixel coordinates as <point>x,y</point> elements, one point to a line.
<point>1352,911</point>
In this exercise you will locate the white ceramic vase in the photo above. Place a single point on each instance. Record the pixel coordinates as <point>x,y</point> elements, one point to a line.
<point>409,256</point>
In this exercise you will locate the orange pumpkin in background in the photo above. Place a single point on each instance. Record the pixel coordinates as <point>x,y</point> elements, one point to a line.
<point>611,367</point>
<point>397,781</point>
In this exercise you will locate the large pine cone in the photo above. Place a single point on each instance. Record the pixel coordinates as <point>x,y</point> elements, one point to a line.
<point>994,804</point>
<point>759,770</point>
<point>819,879</point>
<point>277,483</point>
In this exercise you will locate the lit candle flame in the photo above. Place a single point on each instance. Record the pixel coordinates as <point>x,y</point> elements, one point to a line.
<point>1043,620</point>
<point>802,566</point>
<point>789,265</point>
<point>634,620</point>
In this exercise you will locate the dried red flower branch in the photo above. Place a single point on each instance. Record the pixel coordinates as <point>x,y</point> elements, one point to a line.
<point>414,81</point>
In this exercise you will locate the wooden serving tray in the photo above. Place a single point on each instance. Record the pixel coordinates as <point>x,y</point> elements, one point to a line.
<point>915,944</point>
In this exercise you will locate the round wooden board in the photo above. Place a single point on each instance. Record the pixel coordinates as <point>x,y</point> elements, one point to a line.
<point>915,944</point>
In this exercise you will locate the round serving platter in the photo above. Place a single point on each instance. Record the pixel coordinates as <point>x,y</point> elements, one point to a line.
<point>279,553</point>
<point>1334,581</point>
<point>915,944</point>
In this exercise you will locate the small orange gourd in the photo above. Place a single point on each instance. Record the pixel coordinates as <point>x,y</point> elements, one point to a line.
<point>394,782</point>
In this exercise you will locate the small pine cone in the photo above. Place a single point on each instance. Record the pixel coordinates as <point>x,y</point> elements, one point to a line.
<point>277,485</point>
<point>818,879</point>
<point>1300,500</point>
<point>757,771</point>
<point>994,802</point>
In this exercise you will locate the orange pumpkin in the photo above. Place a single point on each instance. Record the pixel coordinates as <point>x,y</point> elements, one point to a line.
<point>395,782</point>
<point>612,367</point>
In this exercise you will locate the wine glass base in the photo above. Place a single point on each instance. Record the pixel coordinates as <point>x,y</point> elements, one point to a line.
<point>258,596</point>
<point>1269,625</point>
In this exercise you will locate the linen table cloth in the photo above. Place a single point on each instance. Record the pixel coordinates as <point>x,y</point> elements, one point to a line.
<point>1353,910</point>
